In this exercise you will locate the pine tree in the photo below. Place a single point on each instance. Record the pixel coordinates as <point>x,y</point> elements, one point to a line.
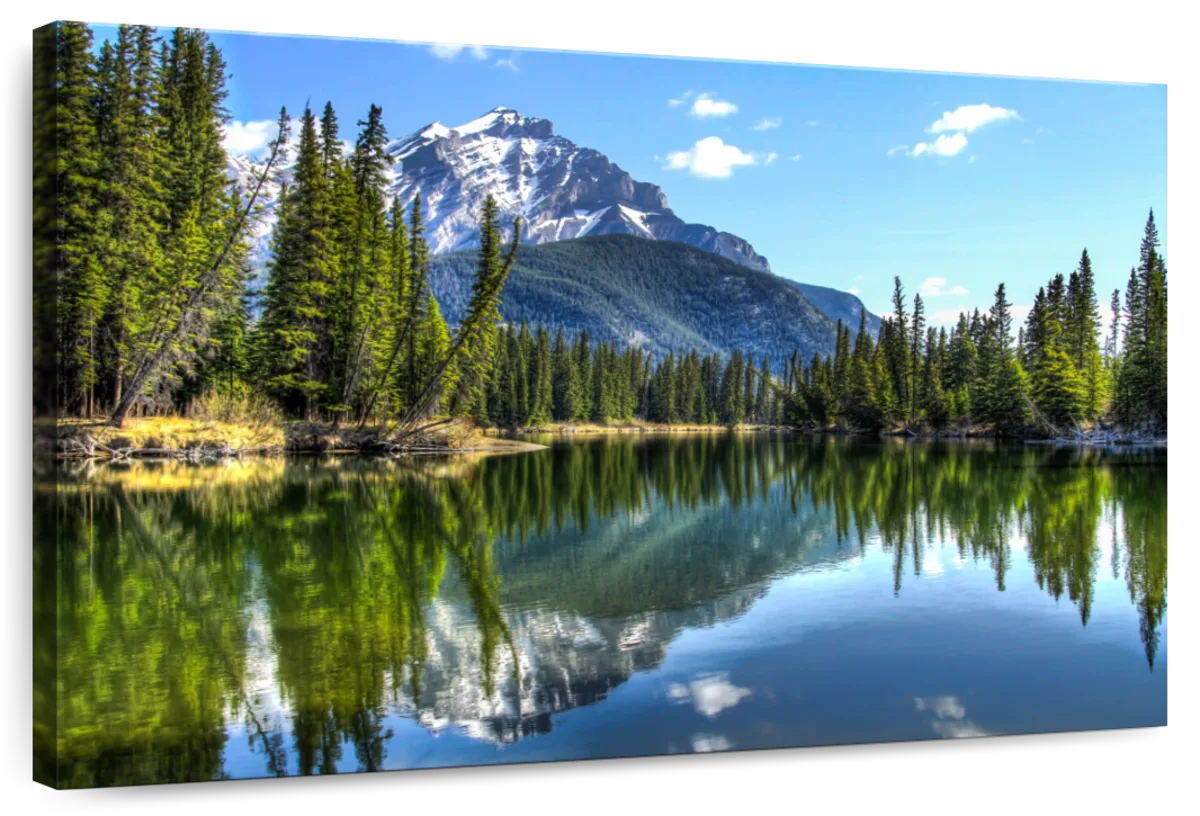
<point>763,399</point>
<point>749,409</point>
<point>898,350</point>
<point>131,177</point>
<point>933,397</point>
<point>303,266</point>
<point>419,263</point>
<point>566,380</point>
<point>542,397</point>
<point>862,404</point>
<point>732,411</point>
<point>331,147</point>
<point>1083,328</point>
<point>82,287</point>
<point>916,350</point>
<point>432,344</point>
<point>1055,385</point>
<point>1006,389</point>
<point>1127,407</point>
<point>583,366</point>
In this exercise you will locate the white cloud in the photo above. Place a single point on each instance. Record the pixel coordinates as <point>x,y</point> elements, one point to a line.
<point>770,158</point>
<point>679,100</point>
<point>932,287</point>
<point>705,743</point>
<point>950,714</point>
<point>710,158</point>
<point>448,51</point>
<point>812,123</point>
<point>248,138</point>
<point>959,290</point>
<point>942,146</point>
<point>930,565</point>
<point>705,105</point>
<point>853,291</point>
<point>709,694</point>
<point>959,730</point>
<point>858,277</point>
<point>952,128</point>
<point>970,118</point>
<point>768,123</point>
<point>509,63</point>
<point>944,706</point>
<point>796,156</point>
<point>1019,314</point>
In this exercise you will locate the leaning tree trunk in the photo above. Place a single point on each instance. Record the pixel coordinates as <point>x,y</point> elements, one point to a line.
<point>152,358</point>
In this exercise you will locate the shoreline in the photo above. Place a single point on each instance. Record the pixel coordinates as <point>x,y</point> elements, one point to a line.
<point>182,439</point>
<point>192,440</point>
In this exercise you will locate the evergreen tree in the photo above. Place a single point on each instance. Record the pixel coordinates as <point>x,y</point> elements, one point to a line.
<point>331,147</point>
<point>82,284</point>
<point>962,357</point>
<point>898,350</point>
<point>732,411</point>
<point>934,403</point>
<point>749,409</point>
<point>915,352</point>
<point>583,365</point>
<point>764,409</point>
<point>1006,389</point>
<point>566,380</point>
<point>419,263</point>
<point>862,403</point>
<point>600,397</point>
<point>432,343</point>
<point>542,397</point>
<point>303,266</point>
<point>1055,385</point>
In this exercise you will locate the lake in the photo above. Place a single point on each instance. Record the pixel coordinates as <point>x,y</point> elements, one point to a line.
<point>610,597</point>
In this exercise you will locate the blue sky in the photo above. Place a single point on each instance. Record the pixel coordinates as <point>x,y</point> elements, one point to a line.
<point>815,166</point>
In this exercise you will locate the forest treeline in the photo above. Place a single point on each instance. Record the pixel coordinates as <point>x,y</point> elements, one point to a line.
<point>154,307</point>
<point>1054,373</point>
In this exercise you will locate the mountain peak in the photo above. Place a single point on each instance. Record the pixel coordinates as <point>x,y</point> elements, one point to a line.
<point>559,189</point>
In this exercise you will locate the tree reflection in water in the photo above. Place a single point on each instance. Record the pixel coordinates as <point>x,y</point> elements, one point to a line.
<point>294,596</point>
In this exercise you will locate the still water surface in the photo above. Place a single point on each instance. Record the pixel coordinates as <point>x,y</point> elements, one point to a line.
<point>603,598</point>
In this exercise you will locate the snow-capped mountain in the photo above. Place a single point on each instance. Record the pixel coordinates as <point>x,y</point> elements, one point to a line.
<point>559,189</point>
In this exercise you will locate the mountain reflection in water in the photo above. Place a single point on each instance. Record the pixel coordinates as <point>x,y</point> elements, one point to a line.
<point>313,615</point>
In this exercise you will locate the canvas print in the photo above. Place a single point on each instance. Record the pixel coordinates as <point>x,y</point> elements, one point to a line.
<point>405,405</point>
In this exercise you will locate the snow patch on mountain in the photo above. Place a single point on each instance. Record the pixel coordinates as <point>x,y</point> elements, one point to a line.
<point>559,189</point>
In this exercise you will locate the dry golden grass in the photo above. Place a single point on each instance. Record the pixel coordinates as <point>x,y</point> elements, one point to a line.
<point>635,427</point>
<point>175,433</point>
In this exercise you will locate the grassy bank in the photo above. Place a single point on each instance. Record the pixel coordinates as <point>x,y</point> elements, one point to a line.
<point>630,427</point>
<point>175,433</point>
<point>187,437</point>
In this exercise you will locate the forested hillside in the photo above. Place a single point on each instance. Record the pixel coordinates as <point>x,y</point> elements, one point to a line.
<point>662,295</point>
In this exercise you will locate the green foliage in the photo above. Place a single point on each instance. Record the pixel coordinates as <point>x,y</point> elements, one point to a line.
<point>356,317</point>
